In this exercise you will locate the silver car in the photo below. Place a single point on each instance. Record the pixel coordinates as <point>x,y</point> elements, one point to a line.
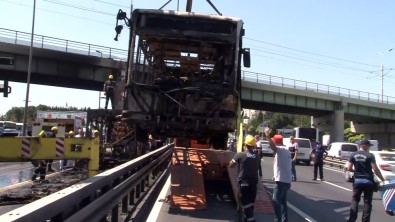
<point>266,150</point>
<point>385,161</point>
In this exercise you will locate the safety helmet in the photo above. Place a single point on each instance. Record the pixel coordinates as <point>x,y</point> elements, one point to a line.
<point>96,132</point>
<point>110,77</point>
<point>277,138</point>
<point>54,128</point>
<point>249,141</point>
<point>71,132</point>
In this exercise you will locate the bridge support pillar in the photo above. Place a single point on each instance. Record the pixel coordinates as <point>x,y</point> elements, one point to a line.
<point>337,132</point>
<point>383,132</point>
<point>333,123</point>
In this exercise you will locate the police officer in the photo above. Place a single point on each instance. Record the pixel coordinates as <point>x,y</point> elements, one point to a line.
<point>363,164</point>
<point>109,90</point>
<point>318,154</point>
<point>248,162</point>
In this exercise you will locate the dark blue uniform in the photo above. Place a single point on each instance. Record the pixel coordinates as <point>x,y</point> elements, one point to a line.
<point>248,162</point>
<point>363,183</point>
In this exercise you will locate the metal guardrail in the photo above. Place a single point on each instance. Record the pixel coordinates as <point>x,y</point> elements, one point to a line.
<point>315,87</point>
<point>63,45</point>
<point>107,196</point>
<point>334,162</point>
<point>40,41</point>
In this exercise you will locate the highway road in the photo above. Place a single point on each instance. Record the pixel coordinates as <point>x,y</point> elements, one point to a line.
<point>314,201</point>
<point>14,172</point>
<point>322,201</point>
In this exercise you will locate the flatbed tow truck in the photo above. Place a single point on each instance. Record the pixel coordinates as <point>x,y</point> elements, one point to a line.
<point>183,82</point>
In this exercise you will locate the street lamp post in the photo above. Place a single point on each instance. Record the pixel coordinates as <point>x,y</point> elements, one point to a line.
<point>29,72</point>
<point>101,54</point>
<point>382,72</point>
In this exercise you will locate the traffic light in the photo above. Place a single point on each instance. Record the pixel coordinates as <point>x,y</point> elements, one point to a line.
<point>6,61</point>
<point>5,89</point>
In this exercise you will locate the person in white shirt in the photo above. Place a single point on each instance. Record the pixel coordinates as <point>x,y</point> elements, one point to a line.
<point>282,176</point>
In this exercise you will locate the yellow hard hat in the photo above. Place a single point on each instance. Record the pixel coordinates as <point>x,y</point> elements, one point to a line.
<point>249,141</point>
<point>110,77</point>
<point>96,131</point>
<point>71,132</point>
<point>54,128</point>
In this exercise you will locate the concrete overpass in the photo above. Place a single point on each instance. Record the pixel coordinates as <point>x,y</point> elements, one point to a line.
<point>65,63</point>
<point>59,62</point>
<point>328,105</point>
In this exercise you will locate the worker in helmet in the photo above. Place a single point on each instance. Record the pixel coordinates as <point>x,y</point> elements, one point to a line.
<point>63,164</point>
<point>108,89</point>
<point>54,131</point>
<point>40,167</point>
<point>96,134</point>
<point>71,134</point>
<point>248,163</point>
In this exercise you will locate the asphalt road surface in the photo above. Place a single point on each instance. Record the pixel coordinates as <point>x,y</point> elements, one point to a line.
<point>322,201</point>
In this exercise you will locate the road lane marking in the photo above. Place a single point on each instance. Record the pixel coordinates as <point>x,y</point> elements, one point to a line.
<point>301,213</point>
<point>327,168</point>
<point>154,214</point>
<point>339,171</point>
<point>337,186</point>
<point>297,211</point>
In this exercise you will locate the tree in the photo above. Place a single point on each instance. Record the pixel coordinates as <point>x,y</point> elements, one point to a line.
<point>352,137</point>
<point>281,120</point>
<point>16,114</point>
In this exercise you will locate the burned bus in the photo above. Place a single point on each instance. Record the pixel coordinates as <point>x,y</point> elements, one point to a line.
<point>184,74</point>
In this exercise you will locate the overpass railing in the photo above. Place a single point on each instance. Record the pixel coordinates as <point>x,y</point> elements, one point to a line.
<point>63,45</point>
<point>315,87</point>
<point>40,41</point>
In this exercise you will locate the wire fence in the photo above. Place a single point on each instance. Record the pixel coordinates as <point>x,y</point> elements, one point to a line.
<point>45,42</point>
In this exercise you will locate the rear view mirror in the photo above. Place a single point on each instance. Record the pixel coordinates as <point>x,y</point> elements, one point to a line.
<point>246,58</point>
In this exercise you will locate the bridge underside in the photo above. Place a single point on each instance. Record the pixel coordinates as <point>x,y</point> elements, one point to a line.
<point>60,81</point>
<point>57,68</point>
<point>266,106</point>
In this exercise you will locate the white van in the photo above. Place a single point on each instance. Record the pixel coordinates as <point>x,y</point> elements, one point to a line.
<point>304,149</point>
<point>374,146</point>
<point>341,150</point>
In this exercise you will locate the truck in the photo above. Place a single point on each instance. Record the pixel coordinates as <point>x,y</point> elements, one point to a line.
<point>64,125</point>
<point>183,82</point>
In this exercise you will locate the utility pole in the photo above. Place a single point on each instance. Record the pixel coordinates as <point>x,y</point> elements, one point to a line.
<point>382,72</point>
<point>29,72</point>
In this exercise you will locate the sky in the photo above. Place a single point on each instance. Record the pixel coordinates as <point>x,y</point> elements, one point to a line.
<point>332,42</point>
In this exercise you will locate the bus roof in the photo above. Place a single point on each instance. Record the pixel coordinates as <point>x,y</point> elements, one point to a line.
<point>187,14</point>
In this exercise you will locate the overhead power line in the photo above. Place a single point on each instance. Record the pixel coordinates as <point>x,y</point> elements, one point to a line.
<point>318,62</point>
<point>79,7</point>
<point>110,3</point>
<point>312,53</point>
<point>56,12</point>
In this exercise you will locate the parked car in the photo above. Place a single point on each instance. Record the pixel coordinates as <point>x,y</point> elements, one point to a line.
<point>341,150</point>
<point>303,151</point>
<point>266,150</point>
<point>10,133</point>
<point>385,161</point>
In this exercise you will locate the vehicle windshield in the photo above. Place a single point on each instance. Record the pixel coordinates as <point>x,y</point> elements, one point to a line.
<point>387,156</point>
<point>303,143</point>
<point>349,148</point>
